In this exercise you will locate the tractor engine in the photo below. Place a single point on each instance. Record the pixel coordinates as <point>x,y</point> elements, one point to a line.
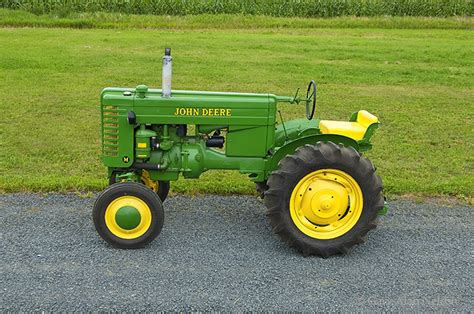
<point>170,132</point>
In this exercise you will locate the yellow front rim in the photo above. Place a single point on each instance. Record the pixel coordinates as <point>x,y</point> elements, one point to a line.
<point>326,204</point>
<point>128,201</point>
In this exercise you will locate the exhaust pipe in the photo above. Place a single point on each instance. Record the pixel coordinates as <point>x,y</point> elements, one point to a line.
<point>166,74</point>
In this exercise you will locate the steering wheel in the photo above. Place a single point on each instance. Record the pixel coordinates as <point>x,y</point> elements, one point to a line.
<point>311,93</point>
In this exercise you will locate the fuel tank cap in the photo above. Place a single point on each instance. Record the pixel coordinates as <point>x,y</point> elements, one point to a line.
<point>141,90</point>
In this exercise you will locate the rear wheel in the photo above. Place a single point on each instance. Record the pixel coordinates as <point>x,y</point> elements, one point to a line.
<point>128,215</point>
<point>324,199</point>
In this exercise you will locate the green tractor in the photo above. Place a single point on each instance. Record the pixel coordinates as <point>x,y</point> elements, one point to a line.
<point>322,195</point>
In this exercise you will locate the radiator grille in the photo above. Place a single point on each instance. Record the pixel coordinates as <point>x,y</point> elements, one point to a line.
<point>110,130</point>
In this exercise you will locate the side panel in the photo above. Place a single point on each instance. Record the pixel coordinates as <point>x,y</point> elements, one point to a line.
<point>246,141</point>
<point>202,109</point>
<point>245,115</point>
<point>117,134</point>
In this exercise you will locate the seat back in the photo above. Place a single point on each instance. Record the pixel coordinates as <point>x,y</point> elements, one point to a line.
<point>366,119</point>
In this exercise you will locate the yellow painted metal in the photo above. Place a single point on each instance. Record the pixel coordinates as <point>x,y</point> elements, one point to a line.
<point>365,118</point>
<point>350,129</point>
<point>326,204</point>
<point>355,130</point>
<point>140,205</point>
<point>148,181</point>
<point>141,145</point>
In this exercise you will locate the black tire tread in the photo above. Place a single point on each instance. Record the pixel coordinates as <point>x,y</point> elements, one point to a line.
<point>163,190</point>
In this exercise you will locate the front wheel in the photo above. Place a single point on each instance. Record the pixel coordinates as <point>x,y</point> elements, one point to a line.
<point>324,199</point>
<point>128,215</point>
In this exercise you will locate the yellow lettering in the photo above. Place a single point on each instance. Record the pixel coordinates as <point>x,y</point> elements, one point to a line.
<point>203,111</point>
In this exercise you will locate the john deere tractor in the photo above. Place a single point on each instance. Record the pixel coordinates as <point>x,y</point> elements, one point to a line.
<point>322,194</point>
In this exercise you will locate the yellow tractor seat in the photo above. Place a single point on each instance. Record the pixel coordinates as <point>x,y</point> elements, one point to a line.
<point>355,130</point>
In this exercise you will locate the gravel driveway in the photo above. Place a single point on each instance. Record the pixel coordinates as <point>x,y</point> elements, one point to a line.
<point>218,253</point>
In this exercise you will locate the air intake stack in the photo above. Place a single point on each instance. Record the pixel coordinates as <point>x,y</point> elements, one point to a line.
<point>166,74</point>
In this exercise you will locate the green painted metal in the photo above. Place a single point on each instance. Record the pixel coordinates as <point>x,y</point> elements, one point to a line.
<point>254,141</point>
<point>142,142</point>
<point>123,175</point>
<point>295,129</point>
<point>128,217</point>
<point>384,209</point>
<point>292,145</point>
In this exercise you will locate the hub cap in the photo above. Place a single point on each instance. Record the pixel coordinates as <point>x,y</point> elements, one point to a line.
<point>326,204</point>
<point>128,217</point>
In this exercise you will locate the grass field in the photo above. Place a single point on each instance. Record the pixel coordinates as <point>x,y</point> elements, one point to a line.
<point>19,18</point>
<point>419,83</point>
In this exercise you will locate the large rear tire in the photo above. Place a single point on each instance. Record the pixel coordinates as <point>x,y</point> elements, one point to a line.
<point>128,215</point>
<point>163,190</point>
<point>323,199</point>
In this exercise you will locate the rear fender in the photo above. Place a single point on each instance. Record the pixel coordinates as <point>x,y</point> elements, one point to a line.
<point>290,147</point>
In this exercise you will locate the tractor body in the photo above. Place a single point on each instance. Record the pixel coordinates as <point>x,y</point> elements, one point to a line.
<point>194,131</point>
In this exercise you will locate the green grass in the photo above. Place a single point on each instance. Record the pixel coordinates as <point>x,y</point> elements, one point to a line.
<point>289,8</point>
<point>419,83</point>
<point>18,18</point>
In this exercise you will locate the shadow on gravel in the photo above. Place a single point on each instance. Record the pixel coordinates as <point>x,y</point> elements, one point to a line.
<point>218,253</point>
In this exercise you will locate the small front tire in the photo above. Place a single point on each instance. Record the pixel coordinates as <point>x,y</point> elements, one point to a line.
<point>128,215</point>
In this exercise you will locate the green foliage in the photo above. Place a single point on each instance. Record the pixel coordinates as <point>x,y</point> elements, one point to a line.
<point>287,8</point>
<point>19,18</point>
<point>418,82</point>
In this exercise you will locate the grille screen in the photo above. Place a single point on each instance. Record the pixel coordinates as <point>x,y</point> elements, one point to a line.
<point>110,130</point>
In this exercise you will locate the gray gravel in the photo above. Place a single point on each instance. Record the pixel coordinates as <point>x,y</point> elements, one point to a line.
<point>218,253</point>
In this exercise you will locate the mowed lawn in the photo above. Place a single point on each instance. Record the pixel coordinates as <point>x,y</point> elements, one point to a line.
<point>419,83</point>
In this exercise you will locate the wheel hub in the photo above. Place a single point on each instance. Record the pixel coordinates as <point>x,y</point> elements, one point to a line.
<point>326,203</point>
<point>128,217</point>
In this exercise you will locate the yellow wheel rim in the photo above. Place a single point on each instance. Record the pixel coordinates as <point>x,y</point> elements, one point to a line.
<point>326,204</point>
<point>128,202</point>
